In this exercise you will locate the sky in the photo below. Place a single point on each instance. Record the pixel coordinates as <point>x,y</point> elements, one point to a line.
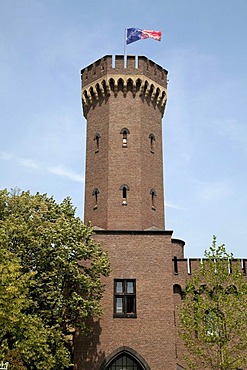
<point>43,46</point>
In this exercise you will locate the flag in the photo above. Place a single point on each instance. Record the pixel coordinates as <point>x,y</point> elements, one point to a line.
<point>135,34</point>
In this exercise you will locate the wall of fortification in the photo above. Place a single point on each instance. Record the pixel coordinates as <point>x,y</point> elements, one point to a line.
<point>107,76</point>
<point>183,268</point>
<point>119,65</point>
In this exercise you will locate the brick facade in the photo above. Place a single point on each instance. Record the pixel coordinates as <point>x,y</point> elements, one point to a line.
<point>124,102</point>
<point>124,200</point>
<point>116,99</point>
<point>144,256</point>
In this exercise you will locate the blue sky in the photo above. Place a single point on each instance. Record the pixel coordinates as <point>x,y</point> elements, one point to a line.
<point>43,46</point>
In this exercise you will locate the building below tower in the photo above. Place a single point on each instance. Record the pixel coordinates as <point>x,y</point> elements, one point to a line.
<point>124,102</point>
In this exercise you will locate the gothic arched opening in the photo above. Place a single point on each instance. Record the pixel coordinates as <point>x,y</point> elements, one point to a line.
<point>125,358</point>
<point>124,362</point>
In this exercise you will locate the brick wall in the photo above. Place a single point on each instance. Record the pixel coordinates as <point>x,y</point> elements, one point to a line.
<point>146,257</point>
<point>112,106</point>
<point>115,96</point>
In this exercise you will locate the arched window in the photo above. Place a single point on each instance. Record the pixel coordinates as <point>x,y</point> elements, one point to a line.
<point>124,358</point>
<point>124,188</point>
<point>177,289</point>
<point>153,195</point>
<point>152,140</point>
<point>124,132</point>
<point>215,325</point>
<point>124,362</point>
<point>95,195</point>
<point>96,138</point>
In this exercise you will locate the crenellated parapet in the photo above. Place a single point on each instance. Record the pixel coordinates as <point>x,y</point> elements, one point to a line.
<point>139,76</point>
<point>188,266</point>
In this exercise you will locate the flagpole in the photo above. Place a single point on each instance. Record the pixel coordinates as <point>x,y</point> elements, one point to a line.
<point>125,32</point>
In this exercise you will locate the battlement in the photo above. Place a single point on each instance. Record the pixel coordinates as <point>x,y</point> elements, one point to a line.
<point>137,75</point>
<point>187,266</point>
<point>109,64</point>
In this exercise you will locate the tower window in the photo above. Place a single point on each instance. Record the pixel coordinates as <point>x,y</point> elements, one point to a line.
<point>95,195</point>
<point>153,195</point>
<point>152,140</point>
<point>124,298</point>
<point>96,138</point>
<point>124,132</point>
<point>175,265</point>
<point>124,188</point>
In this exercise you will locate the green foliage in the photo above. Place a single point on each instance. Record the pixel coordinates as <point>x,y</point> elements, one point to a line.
<point>50,270</point>
<point>213,313</point>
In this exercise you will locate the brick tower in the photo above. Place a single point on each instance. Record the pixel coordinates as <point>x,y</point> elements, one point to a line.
<point>124,200</point>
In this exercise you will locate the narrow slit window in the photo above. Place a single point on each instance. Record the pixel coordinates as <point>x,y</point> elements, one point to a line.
<point>151,142</point>
<point>175,264</point>
<point>95,195</point>
<point>97,140</point>
<point>153,201</point>
<point>124,194</point>
<point>124,188</point>
<point>124,132</point>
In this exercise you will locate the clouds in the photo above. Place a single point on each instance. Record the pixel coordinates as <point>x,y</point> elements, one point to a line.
<point>233,130</point>
<point>174,206</point>
<point>60,171</point>
<point>213,191</point>
<point>44,168</point>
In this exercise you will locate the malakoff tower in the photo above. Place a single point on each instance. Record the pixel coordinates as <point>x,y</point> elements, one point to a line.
<point>123,102</point>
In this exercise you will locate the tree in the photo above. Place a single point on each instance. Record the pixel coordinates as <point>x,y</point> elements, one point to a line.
<point>18,329</point>
<point>213,313</point>
<point>54,271</point>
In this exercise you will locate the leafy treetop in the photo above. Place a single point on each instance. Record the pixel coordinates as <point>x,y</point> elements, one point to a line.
<point>52,268</point>
<point>213,313</point>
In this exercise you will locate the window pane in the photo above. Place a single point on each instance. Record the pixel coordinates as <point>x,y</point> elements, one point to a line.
<point>119,287</point>
<point>119,305</point>
<point>130,305</point>
<point>129,362</point>
<point>124,360</point>
<point>130,287</point>
<point>119,362</point>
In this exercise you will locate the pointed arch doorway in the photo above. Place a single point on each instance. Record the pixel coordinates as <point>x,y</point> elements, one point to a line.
<point>124,362</point>
<point>125,358</point>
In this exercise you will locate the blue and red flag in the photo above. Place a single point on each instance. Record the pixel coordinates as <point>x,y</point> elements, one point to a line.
<point>135,34</point>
